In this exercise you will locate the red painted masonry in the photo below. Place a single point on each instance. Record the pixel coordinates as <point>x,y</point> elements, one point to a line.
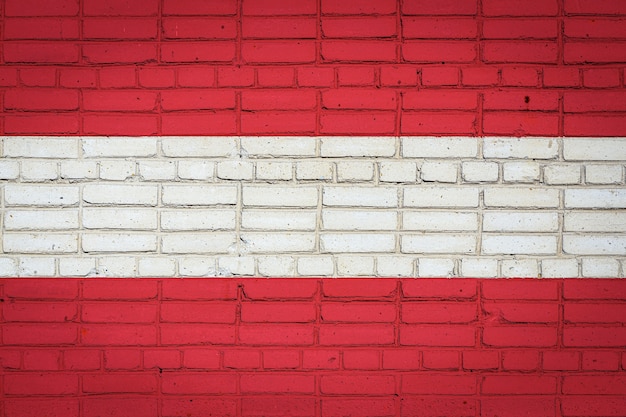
<point>313,347</point>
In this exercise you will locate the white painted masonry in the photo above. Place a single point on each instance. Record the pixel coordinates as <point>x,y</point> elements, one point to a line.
<point>313,206</point>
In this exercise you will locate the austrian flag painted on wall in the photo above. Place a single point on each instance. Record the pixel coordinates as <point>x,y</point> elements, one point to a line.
<point>312,208</point>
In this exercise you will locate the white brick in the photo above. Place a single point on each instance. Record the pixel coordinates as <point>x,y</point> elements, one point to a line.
<point>40,195</point>
<point>349,266</point>
<point>279,146</point>
<point>157,170</point>
<point>235,265</point>
<point>439,243</point>
<point>360,196</point>
<point>157,267</point>
<point>314,170</point>
<point>595,198</point>
<point>39,243</point>
<point>118,242</point>
<point>604,174</point>
<point>435,267</point>
<point>480,171</point>
<point>595,221</point>
<point>519,245</point>
<point>359,220</point>
<point>521,148</point>
<point>40,147</point>
<point>439,221</point>
<point>197,267</point>
<point>559,268</point>
<point>521,171</point>
<point>117,170</point>
<point>594,149</point>
<point>117,266</point>
<point>397,171</point>
<point>36,267</point>
<point>235,170</point>
<point>479,268</point>
<point>521,197</point>
<point>278,220</point>
<point>594,244</point>
<point>41,219</point>
<point>78,170</point>
<point>357,243</point>
<point>274,170</point>
<point>357,146</point>
<point>520,268</point>
<point>119,218</point>
<point>276,266</point>
<point>276,196</point>
<point>279,242</point>
<point>394,266</point>
<point>9,170</point>
<point>8,267</point>
<point>199,195</point>
<point>119,147</point>
<point>77,267</point>
<point>439,147</point>
<point>206,243</point>
<point>126,194</point>
<point>439,171</point>
<point>355,171</point>
<point>600,268</point>
<point>558,174</point>
<point>196,170</point>
<point>39,170</point>
<point>501,221</point>
<point>316,266</point>
<point>440,197</point>
<point>198,220</point>
<point>199,147</point>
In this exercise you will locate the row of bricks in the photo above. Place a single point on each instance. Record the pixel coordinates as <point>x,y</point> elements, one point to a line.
<point>202,76</point>
<point>311,265</point>
<point>308,51</point>
<point>307,123</point>
<point>487,361</point>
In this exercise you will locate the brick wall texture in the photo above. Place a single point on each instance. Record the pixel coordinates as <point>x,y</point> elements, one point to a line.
<point>465,158</point>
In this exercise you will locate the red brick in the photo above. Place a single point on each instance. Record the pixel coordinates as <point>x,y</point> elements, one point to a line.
<point>8,77</point>
<point>359,8</point>
<point>189,52</point>
<point>594,384</point>
<point>521,312</point>
<point>199,289</point>
<point>439,99</point>
<point>359,288</point>
<point>122,359</point>
<point>281,359</point>
<point>561,361</point>
<point>202,358</point>
<point>194,7</point>
<point>242,359</point>
<point>519,336</point>
<point>41,99</point>
<point>351,75</point>
<point>40,28</point>
<point>277,383</point>
<point>363,312</point>
<point>119,289</point>
<point>364,407</point>
<point>162,359</point>
<point>278,99</point>
<point>480,359</point>
<point>119,100</point>
<point>476,76</point>
<point>116,53</point>
<point>594,336</point>
<point>279,312</point>
<point>374,384</point>
<point>592,28</point>
<point>594,7</point>
<point>516,8</point>
<point>594,52</point>
<point>520,77</point>
<point>361,359</point>
<point>274,334</point>
<point>197,334</point>
<point>601,77</point>
<point>42,360</point>
<point>196,76</point>
<point>441,7</point>
<point>190,383</point>
<point>356,334</point>
<point>594,125</point>
<point>399,76</point>
<point>321,359</point>
<point>198,312</point>
<point>275,77</point>
<point>435,406</point>
<point>278,122</point>
<point>441,289</point>
<point>78,78</point>
<point>258,52</point>
<point>40,124</point>
<point>136,407</point>
<point>278,289</point>
<point>126,125</point>
<point>364,27</point>
<point>39,334</point>
<point>37,77</point>
<point>358,51</point>
<point>315,77</point>
<point>521,52</point>
<point>119,383</point>
<point>157,77</point>
<point>111,28</point>
<point>81,360</point>
<point>443,336</point>
<point>120,7</point>
<point>36,383</point>
<point>519,29</point>
<point>595,313</point>
<point>41,53</point>
<point>278,28</point>
<point>199,123</point>
<point>520,360</point>
<point>594,101</point>
<point>440,52</point>
<point>561,77</point>
<point>120,334</point>
<point>439,384</point>
<point>401,359</point>
<point>357,123</point>
<point>440,123</point>
<point>519,384</point>
<point>511,406</point>
<point>252,406</point>
<point>593,406</point>
<point>279,7</point>
<point>235,76</point>
<point>118,77</point>
<point>37,8</point>
<point>199,28</point>
<point>521,123</point>
<point>600,361</point>
<point>519,289</point>
<point>198,406</point>
<point>440,76</point>
<point>39,312</point>
<point>359,99</point>
<point>439,312</point>
<point>441,359</point>
<point>51,407</point>
<point>439,28</point>
<point>197,99</point>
